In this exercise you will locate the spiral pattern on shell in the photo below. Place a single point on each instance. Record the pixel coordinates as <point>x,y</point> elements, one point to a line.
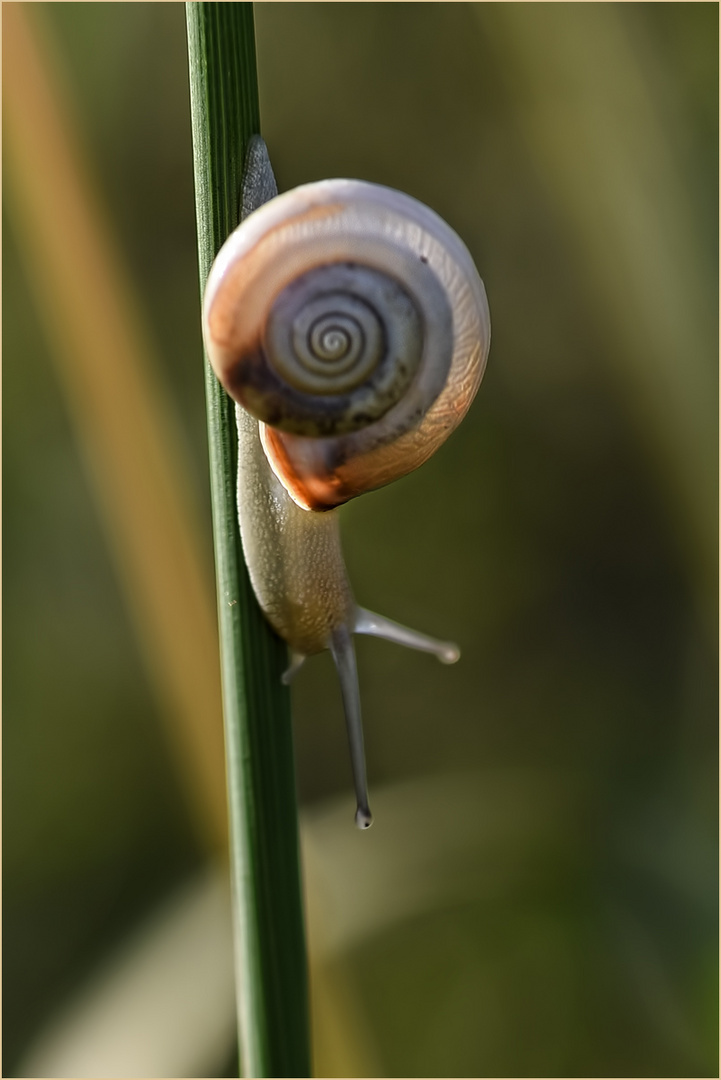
<point>350,320</point>
<point>342,343</point>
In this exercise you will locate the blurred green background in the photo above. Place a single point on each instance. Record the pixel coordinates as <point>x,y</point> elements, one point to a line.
<point>566,537</point>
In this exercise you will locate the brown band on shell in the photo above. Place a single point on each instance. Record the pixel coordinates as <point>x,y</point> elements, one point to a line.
<point>324,462</point>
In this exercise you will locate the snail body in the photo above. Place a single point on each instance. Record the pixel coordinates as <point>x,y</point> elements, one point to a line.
<point>350,326</point>
<point>284,547</point>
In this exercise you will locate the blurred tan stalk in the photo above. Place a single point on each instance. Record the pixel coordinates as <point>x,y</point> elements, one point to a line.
<point>130,445</point>
<point>122,417</point>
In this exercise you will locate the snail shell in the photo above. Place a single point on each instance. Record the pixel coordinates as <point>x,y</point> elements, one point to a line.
<point>351,321</point>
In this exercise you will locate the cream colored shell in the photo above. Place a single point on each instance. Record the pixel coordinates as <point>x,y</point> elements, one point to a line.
<point>336,224</point>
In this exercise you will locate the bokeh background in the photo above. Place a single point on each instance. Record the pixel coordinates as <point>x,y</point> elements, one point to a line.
<point>538,896</point>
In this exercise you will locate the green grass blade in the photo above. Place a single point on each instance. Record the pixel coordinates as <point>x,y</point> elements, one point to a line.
<point>269,932</point>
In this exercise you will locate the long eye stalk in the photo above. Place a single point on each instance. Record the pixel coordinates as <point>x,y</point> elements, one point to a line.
<point>367,622</point>
<point>343,651</point>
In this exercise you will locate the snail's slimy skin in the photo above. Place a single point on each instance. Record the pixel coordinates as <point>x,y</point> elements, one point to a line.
<point>285,547</point>
<point>350,325</point>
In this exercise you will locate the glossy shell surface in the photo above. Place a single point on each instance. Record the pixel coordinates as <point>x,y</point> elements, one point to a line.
<point>350,320</point>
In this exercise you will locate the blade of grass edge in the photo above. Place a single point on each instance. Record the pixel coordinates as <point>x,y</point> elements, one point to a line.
<point>271,972</point>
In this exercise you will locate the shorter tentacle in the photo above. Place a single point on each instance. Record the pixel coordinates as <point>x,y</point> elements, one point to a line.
<point>343,651</point>
<point>296,663</point>
<point>367,622</point>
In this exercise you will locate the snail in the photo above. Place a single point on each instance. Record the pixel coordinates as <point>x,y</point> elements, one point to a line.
<point>350,326</point>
